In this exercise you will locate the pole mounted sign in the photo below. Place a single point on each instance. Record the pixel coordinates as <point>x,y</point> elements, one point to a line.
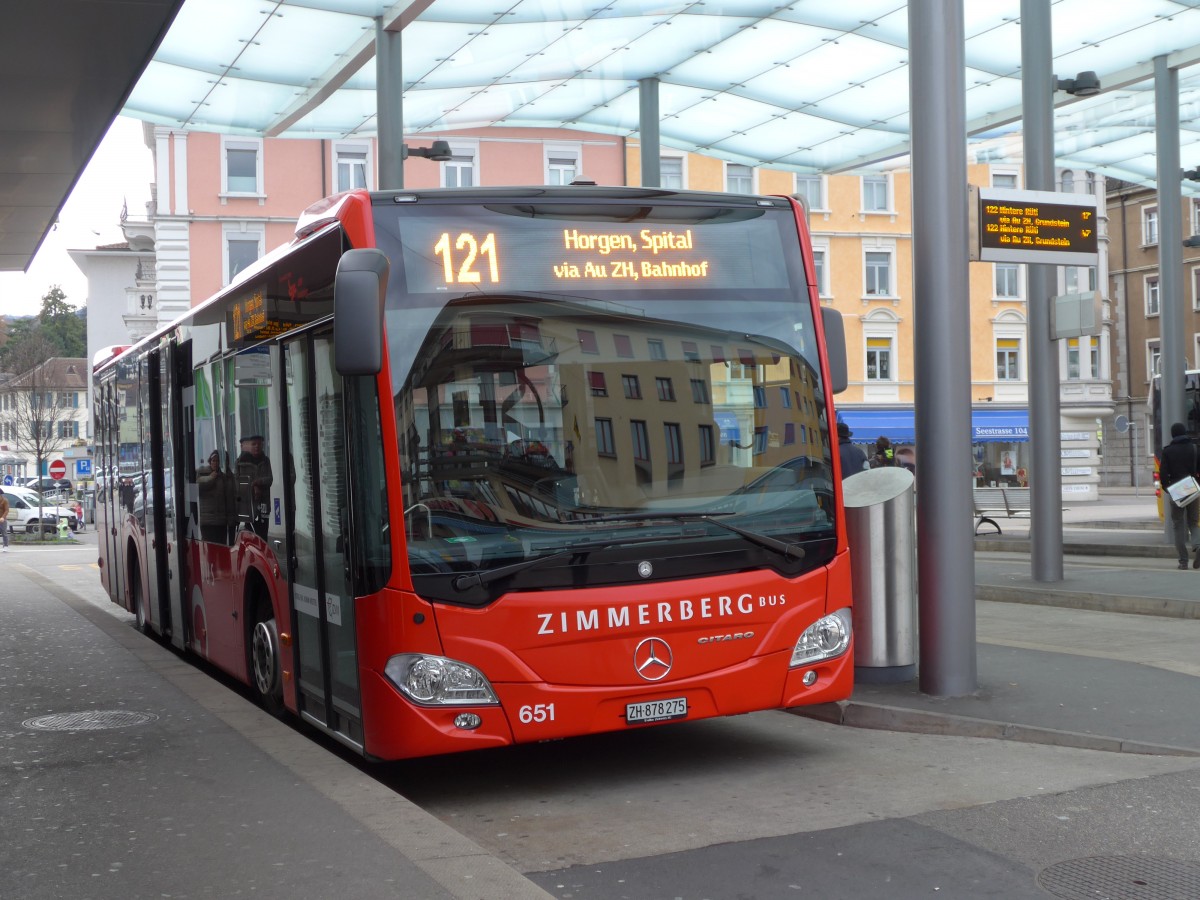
<point>58,469</point>
<point>1033,227</point>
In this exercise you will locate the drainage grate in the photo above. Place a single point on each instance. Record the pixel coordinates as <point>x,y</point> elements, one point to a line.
<point>92,720</point>
<point>1121,878</point>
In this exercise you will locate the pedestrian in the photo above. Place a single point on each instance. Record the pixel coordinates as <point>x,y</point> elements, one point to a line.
<point>4,519</point>
<point>1178,460</point>
<point>884,455</point>
<point>852,458</point>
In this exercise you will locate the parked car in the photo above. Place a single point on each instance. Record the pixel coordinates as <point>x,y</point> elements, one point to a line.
<point>25,514</point>
<point>46,484</point>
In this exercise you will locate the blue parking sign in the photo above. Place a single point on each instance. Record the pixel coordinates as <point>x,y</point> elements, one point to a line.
<point>83,468</point>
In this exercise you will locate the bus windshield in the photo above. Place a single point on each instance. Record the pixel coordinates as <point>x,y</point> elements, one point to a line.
<point>579,384</point>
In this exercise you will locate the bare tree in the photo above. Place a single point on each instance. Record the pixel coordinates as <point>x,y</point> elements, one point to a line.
<point>29,400</point>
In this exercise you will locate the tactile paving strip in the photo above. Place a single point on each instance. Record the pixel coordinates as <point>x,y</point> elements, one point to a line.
<point>1122,878</point>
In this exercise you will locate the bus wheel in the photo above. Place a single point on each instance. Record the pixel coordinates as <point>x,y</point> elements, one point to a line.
<point>139,602</point>
<point>264,661</point>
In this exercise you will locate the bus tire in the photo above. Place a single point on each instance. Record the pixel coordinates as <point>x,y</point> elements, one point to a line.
<point>265,663</point>
<point>139,600</point>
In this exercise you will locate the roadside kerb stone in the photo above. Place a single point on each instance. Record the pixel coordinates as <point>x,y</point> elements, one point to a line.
<point>1116,603</point>
<point>857,714</point>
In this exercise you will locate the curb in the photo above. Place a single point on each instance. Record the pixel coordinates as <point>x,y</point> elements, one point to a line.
<point>1022,545</point>
<point>1168,607</point>
<point>894,718</point>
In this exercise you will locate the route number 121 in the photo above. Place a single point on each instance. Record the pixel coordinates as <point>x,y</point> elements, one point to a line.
<point>468,254</point>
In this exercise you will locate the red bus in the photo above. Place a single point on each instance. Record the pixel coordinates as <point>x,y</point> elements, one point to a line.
<point>465,468</point>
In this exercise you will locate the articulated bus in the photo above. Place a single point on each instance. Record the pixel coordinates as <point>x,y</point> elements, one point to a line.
<point>465,468</point>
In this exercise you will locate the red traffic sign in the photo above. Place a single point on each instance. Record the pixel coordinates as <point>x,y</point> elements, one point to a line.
<point>58,469</point>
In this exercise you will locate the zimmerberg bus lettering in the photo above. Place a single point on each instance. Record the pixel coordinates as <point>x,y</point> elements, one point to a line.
<point>619,617</point>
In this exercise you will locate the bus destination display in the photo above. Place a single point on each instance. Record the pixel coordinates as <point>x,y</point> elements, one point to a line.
<point>1034,227</point>
<point>510,253</point>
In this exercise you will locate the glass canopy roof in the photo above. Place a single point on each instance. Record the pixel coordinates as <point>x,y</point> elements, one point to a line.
<point>805,86</point>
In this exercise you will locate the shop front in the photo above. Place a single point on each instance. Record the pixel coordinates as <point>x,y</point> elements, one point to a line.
<point>999,439</point>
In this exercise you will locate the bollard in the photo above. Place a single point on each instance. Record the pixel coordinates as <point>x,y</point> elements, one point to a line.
<point>881,532</point>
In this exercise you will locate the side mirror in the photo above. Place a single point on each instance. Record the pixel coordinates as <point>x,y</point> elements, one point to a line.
<point>835,349</point>
<point>359,288</point>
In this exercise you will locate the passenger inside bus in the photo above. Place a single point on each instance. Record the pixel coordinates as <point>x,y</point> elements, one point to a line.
<point>254,483</point>
<point>217,504</point>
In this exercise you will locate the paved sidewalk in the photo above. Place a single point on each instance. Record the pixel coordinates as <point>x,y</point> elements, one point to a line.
<point>1110,660</point>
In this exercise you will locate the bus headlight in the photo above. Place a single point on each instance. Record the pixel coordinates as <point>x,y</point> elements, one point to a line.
<point>437,681</point>
<point>825,638</point>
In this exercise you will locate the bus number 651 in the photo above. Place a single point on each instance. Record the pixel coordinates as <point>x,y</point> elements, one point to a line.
<point>537,712</point>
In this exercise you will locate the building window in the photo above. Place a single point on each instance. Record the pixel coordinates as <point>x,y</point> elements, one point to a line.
<point>819,273</point>
<point>1195,287</point>
<point>785,398</point>
<point>1005,180</point>
<point>879,359</point>
<point>459,170</point>
<point>351,166</point>
<point>1091,366</point>
<point>1195,216</point>
<point>1008,359</point>
<point>624,346</point>
<point>597,384</point>
<point>657,348</point>
<point>808,189</point>
<point>241,165</point>
<point>68,429</point>
<point>641,440</point>
<point>1153,357</point>
<point>562,163</point>
<point>605,445</point>
<point>631,386</point>
<point>674,439</point>
<point>760,440</point>
<point>666,391</point>
<point>1068,182</point>
<point>670,172</point>
<point>587,341</point>
<point>699,391</point>
<point>760,397</point>
<point>242,249</point>
<point>708,446</point>
<point>1152,306</point>
<point>691,351</point>
<point>875,193</point>
<point>739,179</point>
<point>1008,281</point>
<point>1150,225</point>
<point>878,272</point>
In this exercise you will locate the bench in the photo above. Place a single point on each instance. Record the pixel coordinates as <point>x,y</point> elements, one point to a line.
<point>992,503</point>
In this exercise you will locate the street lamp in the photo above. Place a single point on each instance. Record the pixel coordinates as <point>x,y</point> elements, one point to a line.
<point>438,152</point>
<point>1085,84</point>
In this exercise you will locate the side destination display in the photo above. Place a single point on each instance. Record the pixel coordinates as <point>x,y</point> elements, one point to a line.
<point>1033,227</point>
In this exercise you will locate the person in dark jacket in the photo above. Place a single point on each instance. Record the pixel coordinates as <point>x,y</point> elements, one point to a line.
<point>1178,460</point>
<point>852,458</point>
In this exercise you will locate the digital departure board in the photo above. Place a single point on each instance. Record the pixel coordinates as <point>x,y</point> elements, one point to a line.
<point>493,249</point>
<point>1033,227</point>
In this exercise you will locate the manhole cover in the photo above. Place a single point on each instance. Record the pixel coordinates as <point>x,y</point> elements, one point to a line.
<point>92,720</point>
<point>1122,878</point>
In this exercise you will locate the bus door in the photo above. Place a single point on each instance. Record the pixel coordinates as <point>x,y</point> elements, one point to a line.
<point>175,376</point>
<point>108,518</point>
<point>317,504</point>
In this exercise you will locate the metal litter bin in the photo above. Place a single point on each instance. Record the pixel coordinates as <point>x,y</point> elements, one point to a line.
<point>881,528</point>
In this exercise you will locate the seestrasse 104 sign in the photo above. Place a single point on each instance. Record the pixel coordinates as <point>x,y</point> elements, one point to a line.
<point>1033,227</point>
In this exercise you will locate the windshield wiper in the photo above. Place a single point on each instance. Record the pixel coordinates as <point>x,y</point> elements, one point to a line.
<point>475,579</point>
<point>785,549</point>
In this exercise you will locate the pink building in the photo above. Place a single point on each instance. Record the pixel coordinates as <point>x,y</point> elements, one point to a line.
<point>225,200</point>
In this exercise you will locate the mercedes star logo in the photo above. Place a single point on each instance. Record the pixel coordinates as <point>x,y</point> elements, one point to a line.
<point>652,659</point>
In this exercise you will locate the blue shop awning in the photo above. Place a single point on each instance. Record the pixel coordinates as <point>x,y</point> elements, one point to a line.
<point>1006,426</point>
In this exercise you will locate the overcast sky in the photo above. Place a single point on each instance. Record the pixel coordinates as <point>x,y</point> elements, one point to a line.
<point>120,171</point>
